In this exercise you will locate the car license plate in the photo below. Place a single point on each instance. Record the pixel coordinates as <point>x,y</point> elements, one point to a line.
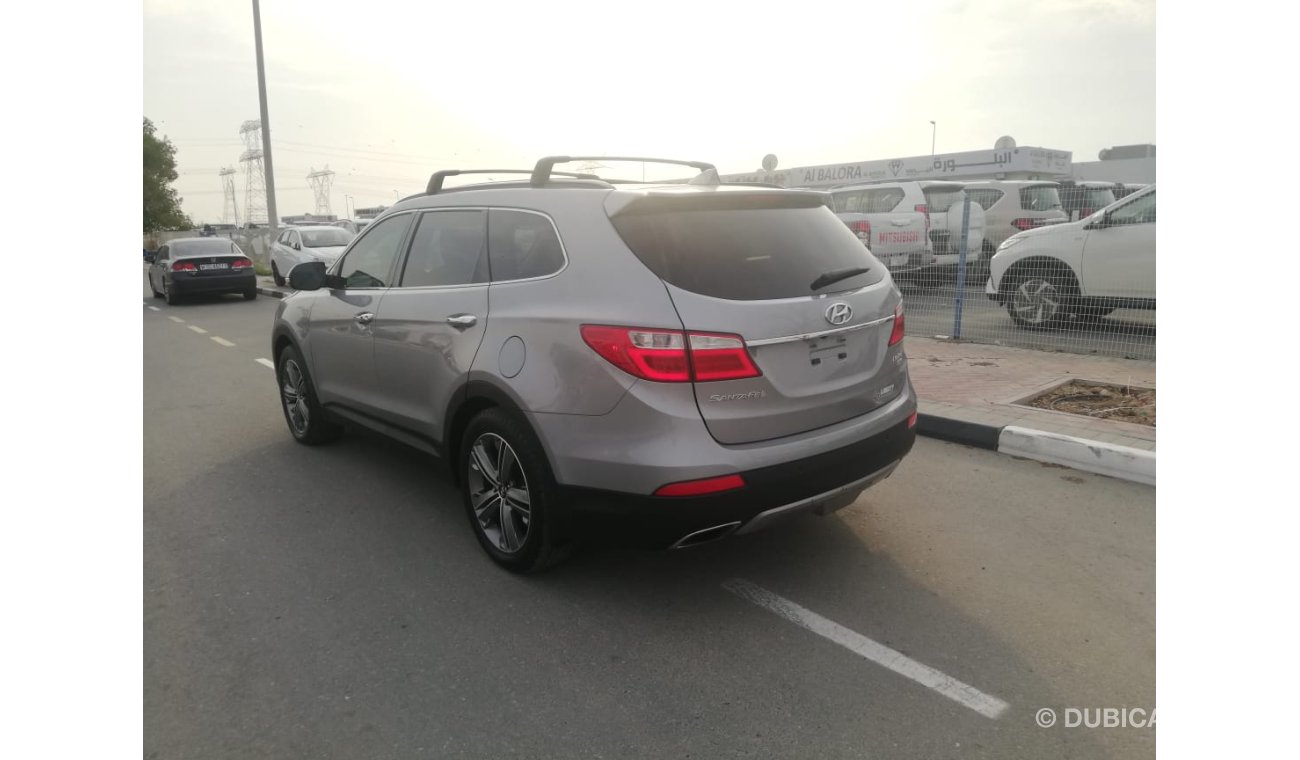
<point>214,266</point>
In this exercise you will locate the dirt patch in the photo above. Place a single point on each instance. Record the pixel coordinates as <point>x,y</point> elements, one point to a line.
<point>1100,401</point>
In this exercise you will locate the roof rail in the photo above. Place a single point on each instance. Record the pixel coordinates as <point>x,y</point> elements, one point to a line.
<point>435,182</point>
<point>543,169</point>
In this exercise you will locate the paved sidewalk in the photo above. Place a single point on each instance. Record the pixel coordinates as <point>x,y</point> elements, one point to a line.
<point>979,383</point>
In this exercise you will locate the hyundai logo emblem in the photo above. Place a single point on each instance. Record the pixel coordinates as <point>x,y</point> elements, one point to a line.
<point>839,313</point>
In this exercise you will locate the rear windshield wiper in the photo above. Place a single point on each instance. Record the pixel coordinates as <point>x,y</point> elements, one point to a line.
<point>835,275</point>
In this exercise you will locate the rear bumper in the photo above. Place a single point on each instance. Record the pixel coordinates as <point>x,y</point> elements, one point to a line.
<point>212,283</point>
<point>821,484</point>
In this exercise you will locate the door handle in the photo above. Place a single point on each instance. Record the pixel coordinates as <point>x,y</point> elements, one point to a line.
<point>462,321</point>
<point>364,318</point>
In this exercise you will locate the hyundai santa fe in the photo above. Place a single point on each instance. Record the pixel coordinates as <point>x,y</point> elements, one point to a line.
<point>676,362</point>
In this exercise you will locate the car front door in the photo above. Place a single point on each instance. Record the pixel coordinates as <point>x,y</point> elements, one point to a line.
<point>340,333</point>
<point>1119,255</point>
<point>158,267</point>
<point>428,328</point>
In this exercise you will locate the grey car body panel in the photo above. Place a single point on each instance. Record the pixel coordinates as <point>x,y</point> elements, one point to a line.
<point>601,427</point>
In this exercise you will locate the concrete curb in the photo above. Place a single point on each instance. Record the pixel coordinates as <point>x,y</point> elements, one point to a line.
<point>272,292</point>
<point>1121,462</point>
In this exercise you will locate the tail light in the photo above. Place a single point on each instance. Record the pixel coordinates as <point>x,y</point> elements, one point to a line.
<point>671,356</point>
<point>922,208</point>
<point>241,264</point>
<point>184,266</point>
<point>896,336</point>
<point>911,420</point>
<point>701,487</point>
<point>862,230</point>
<point>1025,224</point>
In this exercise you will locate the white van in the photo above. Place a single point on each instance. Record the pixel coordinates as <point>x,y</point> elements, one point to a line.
<point>909,225</point>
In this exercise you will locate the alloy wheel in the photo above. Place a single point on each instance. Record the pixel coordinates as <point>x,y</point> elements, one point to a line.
<point>498,491</point>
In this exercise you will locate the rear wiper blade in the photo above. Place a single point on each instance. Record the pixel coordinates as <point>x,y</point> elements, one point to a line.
<point>835,275</point>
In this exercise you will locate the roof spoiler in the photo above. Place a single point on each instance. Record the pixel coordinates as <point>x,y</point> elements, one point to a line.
<point>543,170</point>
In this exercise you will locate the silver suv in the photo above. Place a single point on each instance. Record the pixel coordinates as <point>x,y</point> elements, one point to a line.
<point>673,362</point>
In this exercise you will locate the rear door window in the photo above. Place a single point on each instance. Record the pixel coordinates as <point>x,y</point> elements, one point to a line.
<point>522,245</point>
<point>745,248</point>
<point>985,197</point>
<point>447,249</point>
<point>939,199</point>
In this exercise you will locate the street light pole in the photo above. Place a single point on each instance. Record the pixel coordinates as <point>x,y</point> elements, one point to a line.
<point>272,219</point>
<point>933,129</point>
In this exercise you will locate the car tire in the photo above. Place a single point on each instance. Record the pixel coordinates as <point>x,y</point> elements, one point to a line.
<point>250,294</point>
<point>172,296</point>
<point>303,413</point>
<point>515,519</point>
<point>1041,298</point>
<point>275,275</point>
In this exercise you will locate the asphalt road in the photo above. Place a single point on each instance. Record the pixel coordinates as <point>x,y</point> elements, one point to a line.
<point>1125,333</point>
<point>332,602</point>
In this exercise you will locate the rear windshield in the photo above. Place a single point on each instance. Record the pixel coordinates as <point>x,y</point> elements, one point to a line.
<point>878,201</point>
<point>1097,197</point>
<point>747,254</point>
<point>210,247</point>
<point>1040,198</point>
<point>325,238</point>
<point>938,199</point>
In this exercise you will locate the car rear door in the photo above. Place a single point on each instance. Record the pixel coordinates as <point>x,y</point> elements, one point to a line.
<point>429,327</point>
<point>743,264</point>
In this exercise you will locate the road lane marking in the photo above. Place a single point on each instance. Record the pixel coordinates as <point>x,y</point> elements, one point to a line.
<point>266,363</point>
<point>154,308</point>
<point>177,320</point>
<point>198,330</point>
<point>984,704</point>
<point>222,341</point>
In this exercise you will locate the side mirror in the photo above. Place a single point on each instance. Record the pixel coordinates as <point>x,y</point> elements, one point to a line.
<point>308,276</point>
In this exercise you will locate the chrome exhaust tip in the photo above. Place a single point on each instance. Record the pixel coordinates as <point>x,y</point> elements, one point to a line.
<point>706,535</point>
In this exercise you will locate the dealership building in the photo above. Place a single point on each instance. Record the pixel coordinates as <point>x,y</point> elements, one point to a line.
<point>1007,161</point>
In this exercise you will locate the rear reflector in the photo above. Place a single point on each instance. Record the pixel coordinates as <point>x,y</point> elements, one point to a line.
<point>896,336</point>
<point>666,356</point>
<point>184,266</point>
<point>911,421</point>
<point>701,487</point>
<point>862,229</point>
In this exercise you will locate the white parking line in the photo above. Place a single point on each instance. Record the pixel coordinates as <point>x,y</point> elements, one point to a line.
<point>198,330</point>
<point>984,704</point>
<point>266,363</point>
<point>222,341</point>
<point>154,308</point>
<point>177,320</point>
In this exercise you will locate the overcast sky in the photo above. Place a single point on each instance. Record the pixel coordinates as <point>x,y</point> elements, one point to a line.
<point>386,92</point>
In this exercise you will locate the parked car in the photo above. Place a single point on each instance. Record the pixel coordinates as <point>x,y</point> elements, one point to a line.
<point>909,225</point>
<point>201,265</point>
<point>1012,206</point>
<point>1082,199</point>
<point>1125,189</point>
<point>295,245</point>
<point>674,362</point>
<point>1085,269</point>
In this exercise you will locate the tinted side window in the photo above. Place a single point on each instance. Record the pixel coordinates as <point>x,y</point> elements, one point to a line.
<point>447,250</point>
<point>522,245</point>
<point>371,260</point>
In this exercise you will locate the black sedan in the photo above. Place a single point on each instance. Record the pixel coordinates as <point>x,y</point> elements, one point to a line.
<point>201,265</point>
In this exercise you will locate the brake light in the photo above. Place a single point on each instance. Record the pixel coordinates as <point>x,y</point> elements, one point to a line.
<point>862,229</point>
<point>896,336</point>
<point>671,356</point>
<point>241,264</point>
<point>184,266</point>
<point>911,420</point>
<point>1025,224</point>
<point>700,487</point>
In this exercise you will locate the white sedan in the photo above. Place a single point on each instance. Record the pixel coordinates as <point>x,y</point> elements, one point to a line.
<point>299,245</point>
